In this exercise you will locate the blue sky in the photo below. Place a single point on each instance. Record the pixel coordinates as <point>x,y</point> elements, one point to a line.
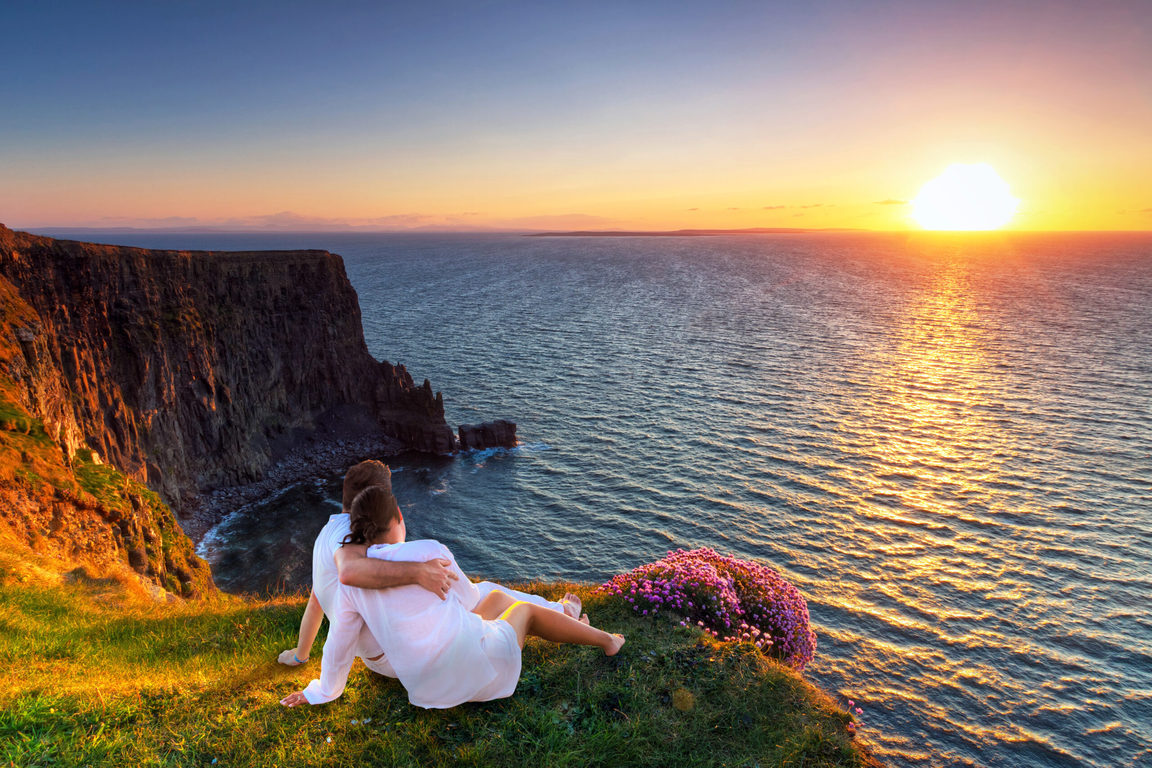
<point>528,109</point>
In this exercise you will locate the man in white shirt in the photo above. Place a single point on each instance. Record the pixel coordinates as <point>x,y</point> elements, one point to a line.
<point>333,564</point>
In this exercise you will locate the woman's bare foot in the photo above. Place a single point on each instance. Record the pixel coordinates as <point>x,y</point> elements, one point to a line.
<point>571,604</point>
<point>614,645</point>
<point>584,619</point>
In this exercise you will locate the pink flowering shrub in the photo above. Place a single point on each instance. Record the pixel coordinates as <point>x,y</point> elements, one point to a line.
<point>731,599</point>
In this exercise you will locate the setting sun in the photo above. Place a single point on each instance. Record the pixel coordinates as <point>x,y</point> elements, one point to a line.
<point>965,197</point>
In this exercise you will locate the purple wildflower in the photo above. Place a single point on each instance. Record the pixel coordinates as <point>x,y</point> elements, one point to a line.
<point>746,600</point>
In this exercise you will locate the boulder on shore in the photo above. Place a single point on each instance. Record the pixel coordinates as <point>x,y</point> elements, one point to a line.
<point>491,434</point>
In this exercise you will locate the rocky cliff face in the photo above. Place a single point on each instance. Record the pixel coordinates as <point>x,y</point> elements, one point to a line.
<point>194,370</point>
<point>60,500</point>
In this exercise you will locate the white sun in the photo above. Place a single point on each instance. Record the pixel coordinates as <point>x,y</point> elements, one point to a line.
<point>965,197</point>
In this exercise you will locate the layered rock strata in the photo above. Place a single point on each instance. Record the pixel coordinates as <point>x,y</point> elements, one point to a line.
<point>191,371</point>
<point>65,503</point>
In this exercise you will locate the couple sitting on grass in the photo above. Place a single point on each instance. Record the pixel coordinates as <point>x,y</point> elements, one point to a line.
<point>409,612</point>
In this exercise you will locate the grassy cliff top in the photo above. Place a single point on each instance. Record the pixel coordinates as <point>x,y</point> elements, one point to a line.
<point>94,673</point>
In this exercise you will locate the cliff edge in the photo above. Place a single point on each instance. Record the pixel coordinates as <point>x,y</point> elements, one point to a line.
<point>194,370</point>
<point>182,371</point>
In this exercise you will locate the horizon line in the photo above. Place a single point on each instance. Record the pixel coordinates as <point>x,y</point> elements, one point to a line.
<point>699,231</point>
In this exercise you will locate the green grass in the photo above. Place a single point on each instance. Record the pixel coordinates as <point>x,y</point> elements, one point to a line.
<point>13,418</point>
<point>93,676</point>
<point>106,484</point>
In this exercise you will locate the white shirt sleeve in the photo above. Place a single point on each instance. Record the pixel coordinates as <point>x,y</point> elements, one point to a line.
<point>339,652</point>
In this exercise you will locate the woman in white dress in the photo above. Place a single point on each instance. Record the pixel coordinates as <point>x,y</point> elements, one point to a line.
<point>444,652</point>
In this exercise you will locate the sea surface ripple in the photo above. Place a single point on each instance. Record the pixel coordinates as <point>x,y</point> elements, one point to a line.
<point>945,442</point>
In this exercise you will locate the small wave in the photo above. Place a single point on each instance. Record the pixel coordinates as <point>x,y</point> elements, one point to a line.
<point>216,534</point>
<point>480,455</point>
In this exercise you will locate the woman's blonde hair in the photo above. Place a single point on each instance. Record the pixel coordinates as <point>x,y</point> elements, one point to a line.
<point>373,511</point>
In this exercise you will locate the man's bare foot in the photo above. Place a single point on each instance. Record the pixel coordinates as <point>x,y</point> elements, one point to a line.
<point>614,645</point>
<point>571,604</point>
<point>584,619</point>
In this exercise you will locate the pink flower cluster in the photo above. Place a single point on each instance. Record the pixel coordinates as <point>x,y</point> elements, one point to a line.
<point>729,598</point>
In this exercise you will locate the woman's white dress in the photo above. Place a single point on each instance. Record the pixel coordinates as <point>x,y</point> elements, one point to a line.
<point>441,652</point>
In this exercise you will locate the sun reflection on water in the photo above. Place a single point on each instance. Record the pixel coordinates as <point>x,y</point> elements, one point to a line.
<point>922,464</point>
<point>931,439</point>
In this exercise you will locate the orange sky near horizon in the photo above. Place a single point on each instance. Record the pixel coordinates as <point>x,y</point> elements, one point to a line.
<point>582,198</point>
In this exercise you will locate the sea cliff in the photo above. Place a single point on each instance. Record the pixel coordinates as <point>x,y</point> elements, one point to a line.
<point>183,373</point>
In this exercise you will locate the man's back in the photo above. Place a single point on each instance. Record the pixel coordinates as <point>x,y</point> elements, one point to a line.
<point>325,576</point>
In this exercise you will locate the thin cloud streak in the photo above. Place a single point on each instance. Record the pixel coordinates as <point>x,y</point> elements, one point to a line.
<point>290,221</point>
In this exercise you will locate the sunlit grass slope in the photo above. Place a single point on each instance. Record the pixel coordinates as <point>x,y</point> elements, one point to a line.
<point>94,675</point>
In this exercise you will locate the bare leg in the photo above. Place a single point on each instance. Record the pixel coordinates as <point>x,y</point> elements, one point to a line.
<point>493,604</point>
<point>528,619</point>
<point>485,587</point>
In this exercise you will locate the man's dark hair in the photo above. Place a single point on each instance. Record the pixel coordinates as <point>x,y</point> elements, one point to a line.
<point>361,476</point>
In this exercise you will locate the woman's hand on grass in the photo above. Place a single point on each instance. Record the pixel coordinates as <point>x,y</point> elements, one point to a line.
<point>293,699</point>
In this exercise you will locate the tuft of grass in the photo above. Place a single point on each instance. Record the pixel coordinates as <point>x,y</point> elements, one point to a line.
<point>27,453</point>
<point>108,486</point>
<point>94,676</point>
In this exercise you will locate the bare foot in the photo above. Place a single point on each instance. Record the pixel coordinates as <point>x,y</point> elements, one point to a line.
<point>584,619</point>
<point>571,604</point>
<point>614,645</point>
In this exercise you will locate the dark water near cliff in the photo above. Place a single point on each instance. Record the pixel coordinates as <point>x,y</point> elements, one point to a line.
<point>945,442</point>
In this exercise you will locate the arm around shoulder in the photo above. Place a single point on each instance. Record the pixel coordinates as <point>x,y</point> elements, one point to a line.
<point>356,569</point>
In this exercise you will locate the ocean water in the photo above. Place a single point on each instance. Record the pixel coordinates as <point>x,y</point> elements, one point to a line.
<point>944,441</point>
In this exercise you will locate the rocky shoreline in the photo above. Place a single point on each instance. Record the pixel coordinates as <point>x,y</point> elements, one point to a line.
<point>319,458</point>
